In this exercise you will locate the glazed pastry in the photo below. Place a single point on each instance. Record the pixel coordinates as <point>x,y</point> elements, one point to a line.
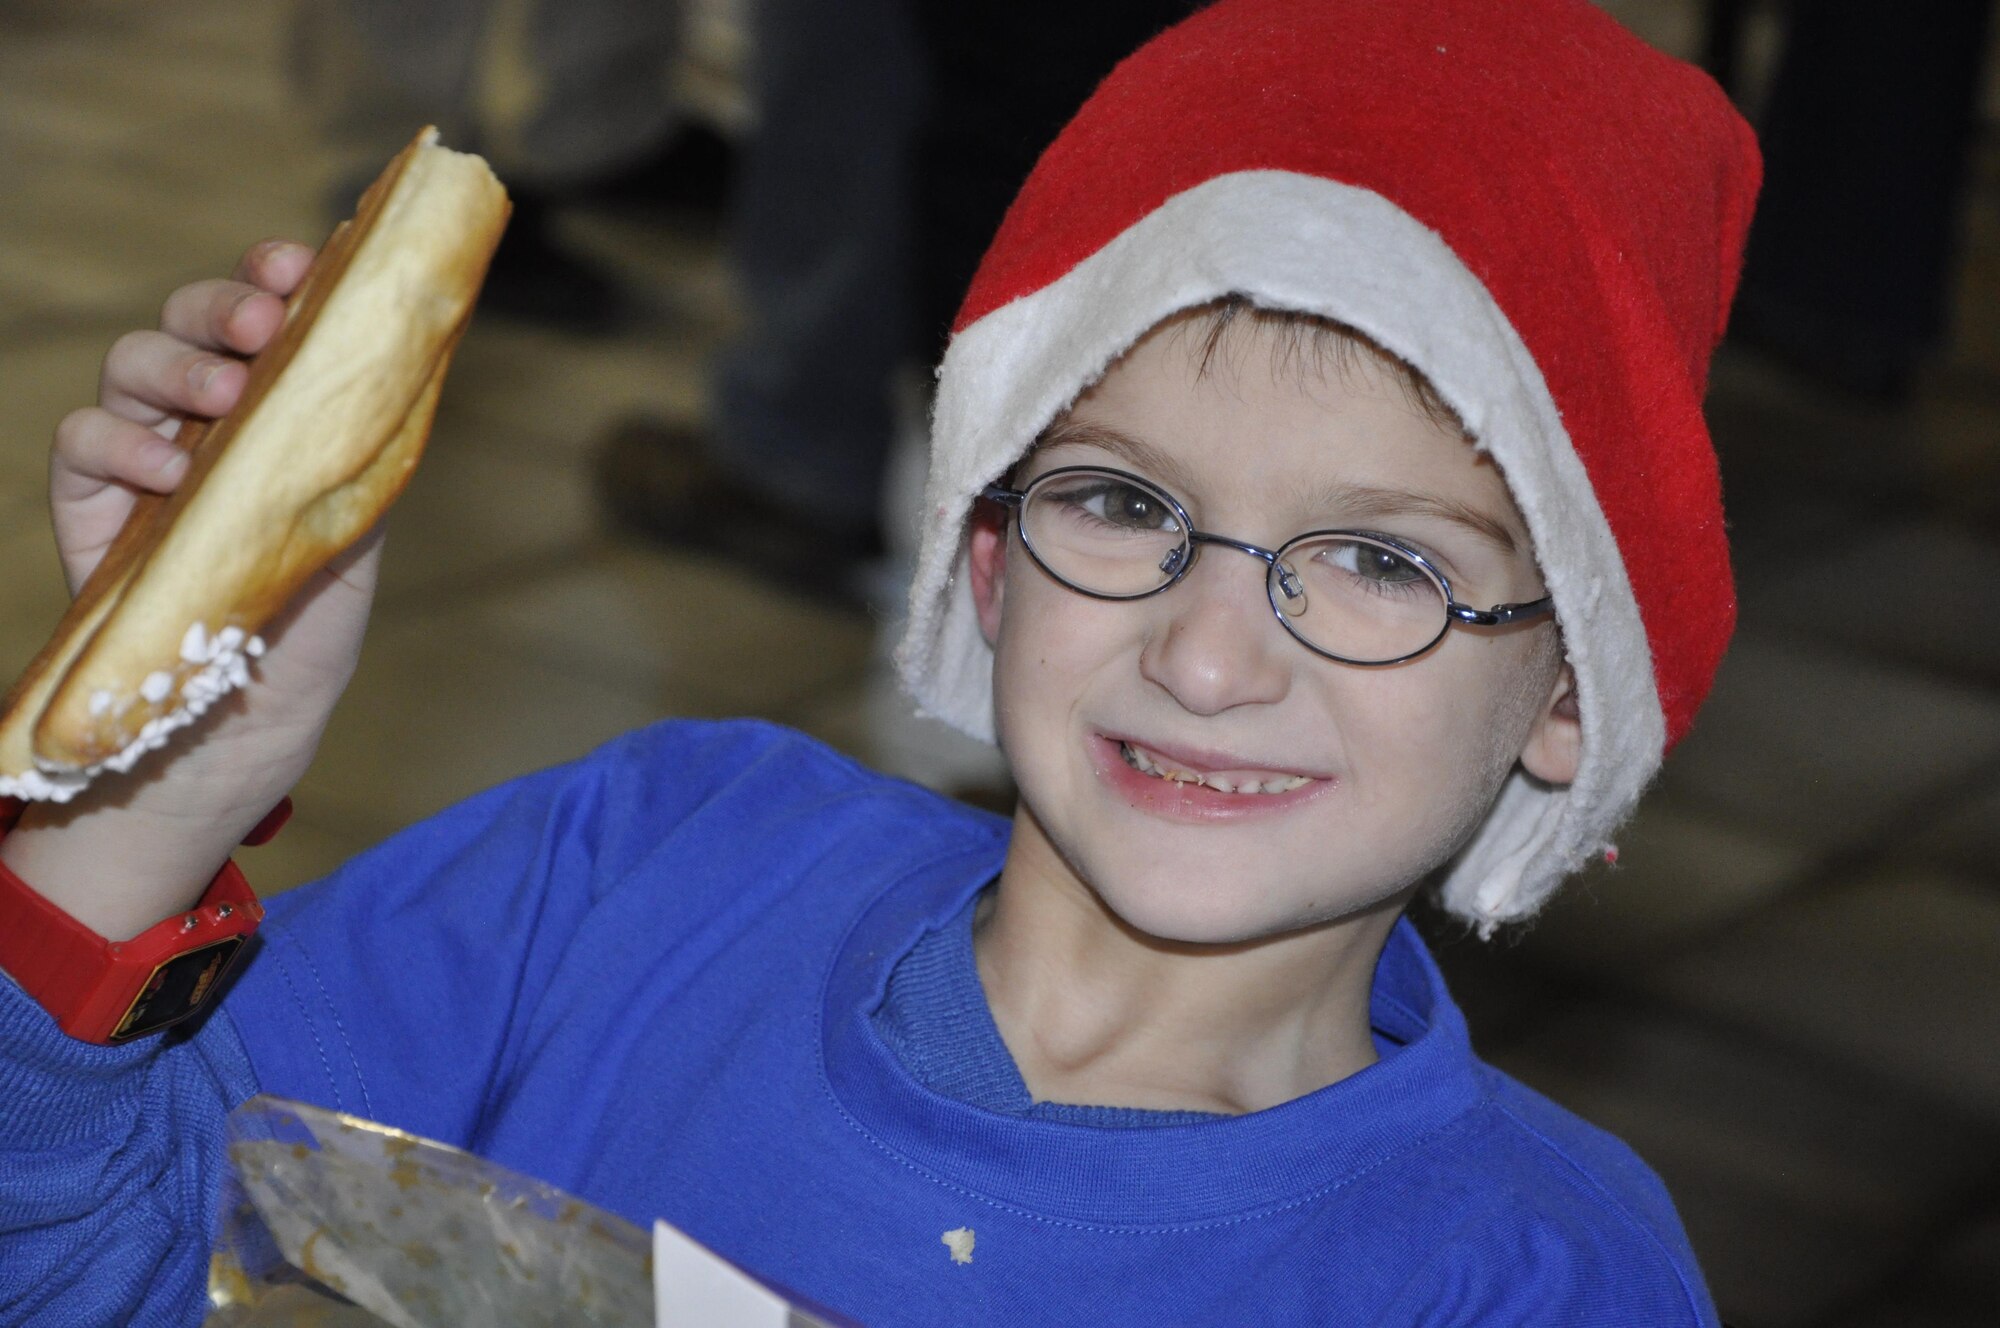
<point>329,428</point>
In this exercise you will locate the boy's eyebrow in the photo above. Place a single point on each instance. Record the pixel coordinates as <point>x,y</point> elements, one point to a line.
<point>1140,455</point>
<point>1364,501</point>
<point>1352,500</point>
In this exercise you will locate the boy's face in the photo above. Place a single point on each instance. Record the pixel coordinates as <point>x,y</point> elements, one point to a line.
<point>1401,762</point>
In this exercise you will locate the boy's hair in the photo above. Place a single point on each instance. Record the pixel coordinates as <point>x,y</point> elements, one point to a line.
<point>1306,345</point>
<point>1311,342</point>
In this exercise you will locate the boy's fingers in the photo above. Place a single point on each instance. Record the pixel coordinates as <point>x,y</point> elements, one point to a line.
<point>233,316</point>
<point>275,265</point>
<point>190,366</point>
<point>95,448</point>
<point>151,376</point>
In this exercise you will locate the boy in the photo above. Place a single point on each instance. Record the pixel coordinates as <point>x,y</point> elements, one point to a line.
<point>1320,506</point>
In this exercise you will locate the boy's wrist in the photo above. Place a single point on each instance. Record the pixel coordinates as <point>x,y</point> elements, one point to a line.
<point>119,870</point>
<point>113,991</point>
<point>108,991</point>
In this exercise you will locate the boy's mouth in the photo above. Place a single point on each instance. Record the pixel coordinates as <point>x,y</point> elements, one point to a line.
<point>1165,768</point>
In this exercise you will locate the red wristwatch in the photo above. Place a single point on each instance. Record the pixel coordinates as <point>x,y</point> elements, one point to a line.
<point>114,991</point>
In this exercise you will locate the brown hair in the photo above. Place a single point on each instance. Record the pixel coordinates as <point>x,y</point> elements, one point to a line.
<point>1310,339</point>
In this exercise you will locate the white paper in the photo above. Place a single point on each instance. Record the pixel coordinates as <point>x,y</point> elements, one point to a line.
<point>696,1288</point>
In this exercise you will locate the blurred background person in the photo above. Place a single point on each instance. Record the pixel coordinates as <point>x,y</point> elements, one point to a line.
<point>889,136</point>
<point>570,99</point>
<point>1868,129</point>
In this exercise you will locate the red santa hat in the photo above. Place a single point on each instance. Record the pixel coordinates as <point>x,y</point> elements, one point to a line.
<point>1538,211</point>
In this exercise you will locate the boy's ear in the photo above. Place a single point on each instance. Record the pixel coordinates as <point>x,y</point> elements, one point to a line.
<point>1555,744</point>
<point>986,553</point>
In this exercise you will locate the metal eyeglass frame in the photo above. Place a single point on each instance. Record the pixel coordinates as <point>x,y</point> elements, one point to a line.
<point>1177,563</point>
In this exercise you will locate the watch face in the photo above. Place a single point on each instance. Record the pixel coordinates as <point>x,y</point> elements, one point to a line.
<point>177,989</point>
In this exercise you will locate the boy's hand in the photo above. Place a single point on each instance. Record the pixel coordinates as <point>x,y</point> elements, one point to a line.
<point>192,367</point>
<point>133,849</point>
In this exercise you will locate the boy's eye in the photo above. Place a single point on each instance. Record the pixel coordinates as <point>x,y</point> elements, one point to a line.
<point>1118,504</point>
<point>1371,562</point>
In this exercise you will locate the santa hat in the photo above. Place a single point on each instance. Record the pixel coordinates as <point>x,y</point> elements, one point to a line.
<point>1538,211</point>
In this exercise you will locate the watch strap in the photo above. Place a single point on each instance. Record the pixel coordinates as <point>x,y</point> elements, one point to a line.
<point>109,991</point>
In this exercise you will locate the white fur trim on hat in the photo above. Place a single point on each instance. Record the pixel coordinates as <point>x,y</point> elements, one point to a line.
<point>1298,242</point>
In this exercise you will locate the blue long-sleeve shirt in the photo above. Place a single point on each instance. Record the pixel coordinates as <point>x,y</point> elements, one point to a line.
<point>657,978</point>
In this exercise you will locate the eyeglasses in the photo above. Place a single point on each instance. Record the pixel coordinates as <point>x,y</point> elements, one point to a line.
<point>1350,595</point>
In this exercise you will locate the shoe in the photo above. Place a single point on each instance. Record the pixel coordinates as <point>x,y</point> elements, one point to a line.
<point>655,478</point>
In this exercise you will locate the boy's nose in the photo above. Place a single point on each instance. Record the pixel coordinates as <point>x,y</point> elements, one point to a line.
<point>1215,643</point>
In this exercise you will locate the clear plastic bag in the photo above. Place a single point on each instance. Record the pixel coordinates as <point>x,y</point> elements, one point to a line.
<point>337,1221</point>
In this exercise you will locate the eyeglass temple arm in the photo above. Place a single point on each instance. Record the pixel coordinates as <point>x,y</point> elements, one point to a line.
<point>1501,614</point>
<point>1000,493</point>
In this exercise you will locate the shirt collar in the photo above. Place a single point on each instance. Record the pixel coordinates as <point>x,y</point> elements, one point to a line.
<point>1168,1175</point>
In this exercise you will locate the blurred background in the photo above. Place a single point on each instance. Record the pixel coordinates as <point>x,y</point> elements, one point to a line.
<point>1786,996</point>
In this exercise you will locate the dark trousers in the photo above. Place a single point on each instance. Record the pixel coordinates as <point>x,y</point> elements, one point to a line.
<point>891,136</point>
<point>1866,136</point>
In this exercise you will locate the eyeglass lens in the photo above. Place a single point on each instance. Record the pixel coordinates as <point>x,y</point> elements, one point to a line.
<point>1353,597</point>
<point>1348,595</point>
<point>1104,534</point>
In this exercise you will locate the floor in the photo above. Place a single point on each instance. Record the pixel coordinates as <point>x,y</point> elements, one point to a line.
<point>1785,997</point>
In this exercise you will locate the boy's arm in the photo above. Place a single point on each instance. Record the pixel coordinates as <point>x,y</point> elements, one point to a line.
<point>390,990</point>
<point>110,1156</point>
<point>109,1169</point>
<point>128,852</point>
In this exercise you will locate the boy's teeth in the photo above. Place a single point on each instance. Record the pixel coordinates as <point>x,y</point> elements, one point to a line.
<point>1141,761</point>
